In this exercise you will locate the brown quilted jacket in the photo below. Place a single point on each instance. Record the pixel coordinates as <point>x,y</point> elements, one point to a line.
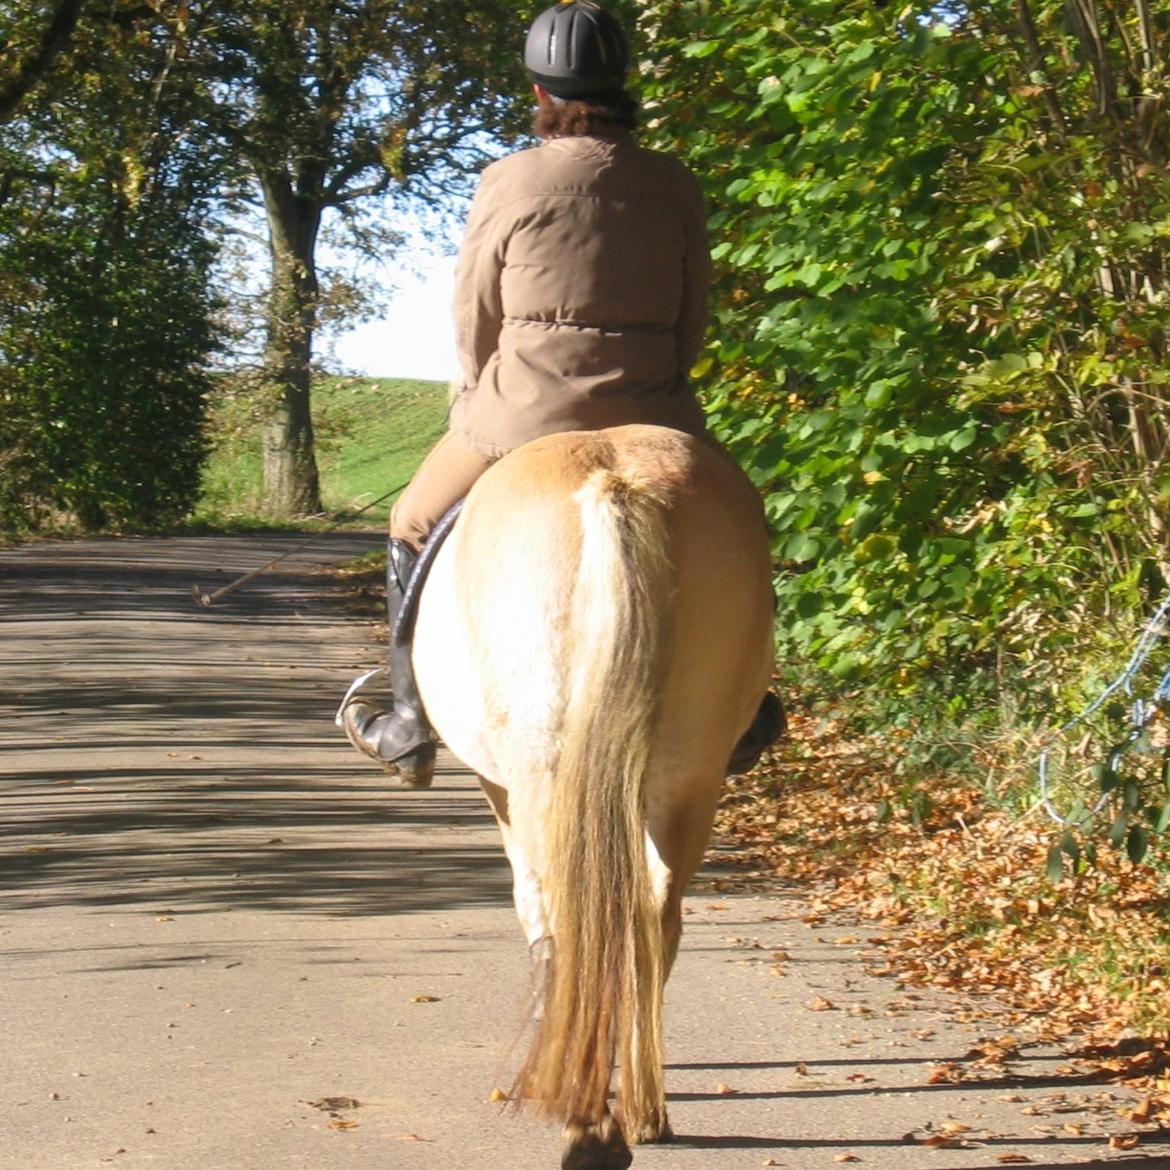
<point>581,293</point>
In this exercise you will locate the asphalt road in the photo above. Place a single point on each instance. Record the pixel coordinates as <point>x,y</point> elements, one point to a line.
<point>228,943</point>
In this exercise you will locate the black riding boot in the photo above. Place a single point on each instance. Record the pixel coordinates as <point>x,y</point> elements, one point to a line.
<point>401,736</point>
<point>767,727</point>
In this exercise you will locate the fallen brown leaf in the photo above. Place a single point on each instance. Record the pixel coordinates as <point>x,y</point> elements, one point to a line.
<point>940,1141</point>
<point>998,927</point>
<point>1144,1112</point>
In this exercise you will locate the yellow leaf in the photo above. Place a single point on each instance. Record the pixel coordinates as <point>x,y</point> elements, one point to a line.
<point>425,999</point>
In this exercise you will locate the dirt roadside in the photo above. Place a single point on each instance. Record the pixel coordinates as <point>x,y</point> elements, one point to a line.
<point>227,943</point>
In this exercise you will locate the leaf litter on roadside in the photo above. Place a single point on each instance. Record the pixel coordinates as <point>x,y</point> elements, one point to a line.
<point>965,904</point>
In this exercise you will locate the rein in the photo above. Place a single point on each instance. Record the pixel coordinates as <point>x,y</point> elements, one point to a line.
<point>207,600</point>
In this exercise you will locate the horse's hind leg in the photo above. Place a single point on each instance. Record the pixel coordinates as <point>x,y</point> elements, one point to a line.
<point>527,894</point>
<point>595,1145</point>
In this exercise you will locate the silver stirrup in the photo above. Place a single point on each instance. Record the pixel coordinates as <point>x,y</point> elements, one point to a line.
<point>354,687</point>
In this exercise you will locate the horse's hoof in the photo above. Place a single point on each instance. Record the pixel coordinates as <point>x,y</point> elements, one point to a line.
<point>597,1146</point>
<point>655,1130</point>
<point>658,1134</point>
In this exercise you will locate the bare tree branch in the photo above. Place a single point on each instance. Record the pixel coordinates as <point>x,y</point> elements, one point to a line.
<point>1036,64</point>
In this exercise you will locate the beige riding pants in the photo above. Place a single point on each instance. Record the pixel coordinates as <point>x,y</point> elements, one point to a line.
<point>445,477</point>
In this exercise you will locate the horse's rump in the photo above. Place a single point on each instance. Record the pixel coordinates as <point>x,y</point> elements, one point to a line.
<point>595,637</point>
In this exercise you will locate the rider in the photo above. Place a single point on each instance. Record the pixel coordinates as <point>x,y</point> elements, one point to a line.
<point>580,304</point>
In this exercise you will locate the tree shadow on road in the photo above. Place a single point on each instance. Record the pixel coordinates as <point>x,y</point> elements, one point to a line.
<point>334,844</point>
<point>156,755</point>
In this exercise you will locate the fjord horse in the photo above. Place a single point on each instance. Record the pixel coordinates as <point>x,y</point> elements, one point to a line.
<point>595,636</point>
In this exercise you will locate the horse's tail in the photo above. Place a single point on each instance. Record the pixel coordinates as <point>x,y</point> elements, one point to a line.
<point>603,989</point>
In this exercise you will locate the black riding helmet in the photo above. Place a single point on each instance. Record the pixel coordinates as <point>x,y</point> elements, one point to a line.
<point>576,49</point>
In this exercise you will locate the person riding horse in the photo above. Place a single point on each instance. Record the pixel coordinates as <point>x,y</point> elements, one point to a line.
<point>580,305</point>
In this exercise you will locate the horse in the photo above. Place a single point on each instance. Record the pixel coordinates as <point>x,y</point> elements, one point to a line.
<point>594,637</point>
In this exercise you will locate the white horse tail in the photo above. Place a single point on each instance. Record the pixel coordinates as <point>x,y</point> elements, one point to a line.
<point>603,990</point>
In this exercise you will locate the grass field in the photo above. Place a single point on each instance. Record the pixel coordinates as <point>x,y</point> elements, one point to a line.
<point>371,435</point>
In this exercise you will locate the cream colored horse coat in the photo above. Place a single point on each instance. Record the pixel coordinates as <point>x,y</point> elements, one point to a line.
<point>594,638</point>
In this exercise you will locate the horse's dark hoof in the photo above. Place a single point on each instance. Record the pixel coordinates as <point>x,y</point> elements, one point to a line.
<point>596,1146</point>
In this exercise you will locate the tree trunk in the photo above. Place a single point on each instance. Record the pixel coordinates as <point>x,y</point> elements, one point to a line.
<point>291,484</point>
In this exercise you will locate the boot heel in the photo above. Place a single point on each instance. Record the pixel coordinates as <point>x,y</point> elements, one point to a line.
<point>416,769</point>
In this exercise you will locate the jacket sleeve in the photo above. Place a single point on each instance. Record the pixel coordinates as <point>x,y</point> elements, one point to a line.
<point>477,306</point>
<point>692,319</point>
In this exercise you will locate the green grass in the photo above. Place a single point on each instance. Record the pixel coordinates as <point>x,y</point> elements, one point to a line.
<point>371,435</point>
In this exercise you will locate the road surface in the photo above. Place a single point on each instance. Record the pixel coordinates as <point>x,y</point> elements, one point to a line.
<point>228,943</point>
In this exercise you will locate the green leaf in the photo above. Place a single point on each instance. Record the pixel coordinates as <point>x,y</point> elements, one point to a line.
<point>809,604</point>
<point>1106,775</point>
<point>1118,830</point>
<point>802,547</point>
<point>1055,865</point>
<point>920,807</point>
<point>1137,842</point>
<point>964,438</point>
<point>1163,821</point>
<point>1130,796</point>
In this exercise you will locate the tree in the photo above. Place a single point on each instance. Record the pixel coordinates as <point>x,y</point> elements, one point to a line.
<point>333,106</point>
<point>105,303</point>
<point>31,49</point>
<point>941,320</point>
